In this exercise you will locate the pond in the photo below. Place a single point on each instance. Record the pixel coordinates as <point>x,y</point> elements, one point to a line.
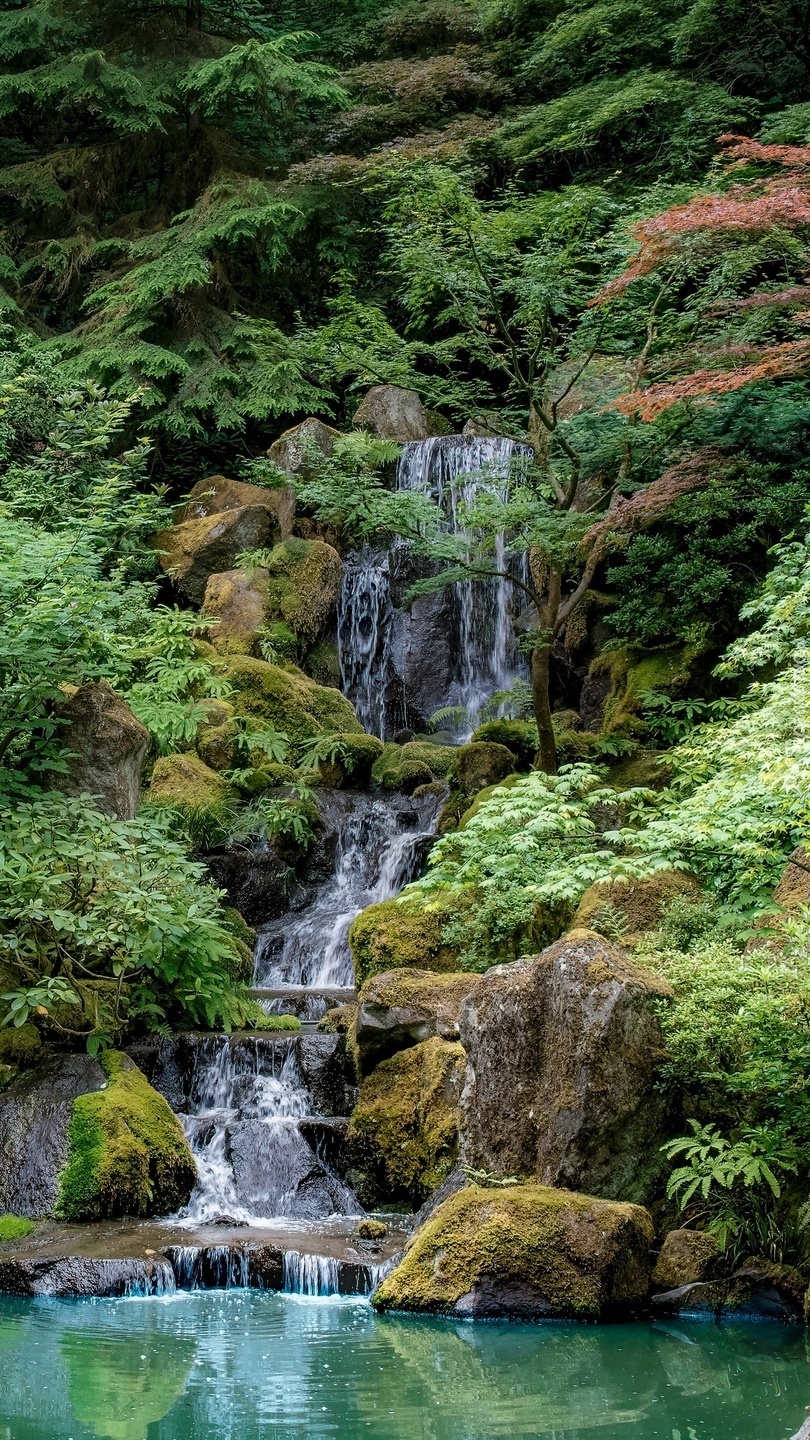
<point>256,1366</point>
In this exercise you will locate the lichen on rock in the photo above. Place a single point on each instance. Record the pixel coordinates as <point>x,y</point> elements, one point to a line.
<point>127,1153</point>
<point>402,1140</point>
<point>528,1251</point>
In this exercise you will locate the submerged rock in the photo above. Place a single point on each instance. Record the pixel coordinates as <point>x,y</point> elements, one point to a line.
<point>106,745</point>
<point>527,1251</point>
<point>403,1137</point>
<point>35,1113</point>
<point>404,1007</point>
<point>562,1052</point>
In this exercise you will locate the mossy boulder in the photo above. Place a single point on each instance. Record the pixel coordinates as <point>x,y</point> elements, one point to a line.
<point>518,736</point>
<point>627,909</point>
<point>398,933</point>
<point>20,1046</point>
<point>105,746</point>
<point>14,1227</point>
<point>354,764</point>
<point>185,783</point>
<point>289,451</point>
<point>217,745</point>
<point>217,493</point>
<point>525,1251</point>
<point>191,552</point>
<point>127,1153</point>
<point>687,1256</point>
<point>402,1140</point>
<point>404,1007</point>
<point>470,811</point>
<point>286,698</point>
<point>322,663</point>
<point>303,585</point>
<point>237,601</point>
<point>480,764</point>
<point>618,681</point>
<point>396,772</point>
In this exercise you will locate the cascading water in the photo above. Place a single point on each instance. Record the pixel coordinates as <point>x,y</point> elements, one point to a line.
<point>477,621</point>
<point>246,1103</point>
<point>324,1275</point>
<point>379,843</point>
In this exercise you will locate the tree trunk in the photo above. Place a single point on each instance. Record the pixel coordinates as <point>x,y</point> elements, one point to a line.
<point>546,758</point>
<point>194,15</point>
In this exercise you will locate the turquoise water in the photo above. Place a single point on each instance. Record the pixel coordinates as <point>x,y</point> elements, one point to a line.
<point>251,1366</point>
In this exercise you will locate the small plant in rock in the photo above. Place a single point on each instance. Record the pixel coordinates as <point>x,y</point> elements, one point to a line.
<point>268,743</point>
<point>275,818</point>
<point>325,749</point>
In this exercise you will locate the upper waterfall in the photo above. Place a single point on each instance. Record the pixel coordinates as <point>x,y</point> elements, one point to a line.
<point>453,648</point>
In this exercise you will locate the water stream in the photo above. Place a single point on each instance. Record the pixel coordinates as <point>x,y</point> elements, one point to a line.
<point>379,660</point>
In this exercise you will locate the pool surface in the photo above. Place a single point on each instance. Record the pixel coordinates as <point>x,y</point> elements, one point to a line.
<point>245,1364</point>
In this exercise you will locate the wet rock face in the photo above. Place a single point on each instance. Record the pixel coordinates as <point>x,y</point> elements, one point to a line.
<point>392,413</point>
<point>328,1073</point>
<point>528,1252</point>
<point>258,882</point>
<point>405,1007</point>
<point>758,1290</point>
<point>82,1275</point>
<point>561,1061</point>
<point>686,1256</point>
<point>108,744</point>
<point>35,1114</point>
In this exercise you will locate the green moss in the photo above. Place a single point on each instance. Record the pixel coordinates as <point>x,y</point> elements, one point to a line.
<point>286,698</point>
<point>440,759</point>
<point>323,664</point>
<point>626,909</point>
<point>127,1154</point>
<point>264,777</point>
<point>217,745</point>
<point>359,754</point>
<point>630,679</point>
<point>395,771</point>
<point>257,1019</point>
<point>402,1139</point>
<point>303,586</point>
<point>399,933</point>
<point>20,1046</point>
<point>14,1227</point>
<point>480,764</point>
<point>519,736</point>
<point>582,1256</point>
<point>195,795</point>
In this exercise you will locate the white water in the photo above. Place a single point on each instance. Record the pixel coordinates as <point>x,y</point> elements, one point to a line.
<point>253,1163</point>
<point>453,469</point>
<point>324,1275</point>
<point>378,846</point>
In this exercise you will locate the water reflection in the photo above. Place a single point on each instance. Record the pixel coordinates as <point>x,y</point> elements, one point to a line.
<point>245,1366</point>
<point>119,1384</point>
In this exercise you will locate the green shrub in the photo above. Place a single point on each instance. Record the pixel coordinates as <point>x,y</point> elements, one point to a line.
<point>14,1227</point>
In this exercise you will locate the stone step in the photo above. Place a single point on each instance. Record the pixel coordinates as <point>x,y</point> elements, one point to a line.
<point>310,1004</point>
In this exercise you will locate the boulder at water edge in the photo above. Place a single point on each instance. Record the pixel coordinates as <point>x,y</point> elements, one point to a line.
<point>106,745</point>
<point>527,1251</point>
<point>404,1007</point>
<point>402,1141</point>
<point>562,1051</point>
<point>686,1256</point>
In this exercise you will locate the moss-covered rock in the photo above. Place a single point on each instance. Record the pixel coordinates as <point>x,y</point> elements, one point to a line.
<point>405,1007</point>
<point>237,601</point>
<point>687,1256</point>
<point>354,763</point>
<point>14,1227</point>
<point>396,772</point>
<point>402,1140</point>
<point>620,679</point>
<point>303,584</point>
<point>127,1154</point>
<point>480,764</point>
<point>627,909</point>
<point>519,736</point>
<point>197,795</point>
<point>527,1251</point>
<point>397,933</point>
<point>217,745</point>
<point>323,664</point>
<point>287,699</point>
<point>470,811</point>
<point>440,759</point>
<point>20,1047</point>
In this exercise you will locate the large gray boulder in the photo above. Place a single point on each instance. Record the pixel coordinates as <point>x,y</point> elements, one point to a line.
<point>107,745</point>
<point>289,451</point>
<point>562,1052</point>
<point>35,1114</point>
<point>393,414</point>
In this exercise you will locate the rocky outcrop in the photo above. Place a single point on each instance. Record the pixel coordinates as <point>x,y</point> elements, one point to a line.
<point>529,1252</point>
<point>562,1051</point>
<point>404,1007</point>
<point>185,782</point>
<point>392,413</point>
<point>402,1140</point>
<point>289,451</point>
<point>686,1256</point>
<point>106,745</point>
<point>399,933</point>
<point>758,1290</point>
<point>193,551</point>
<point>237,601</point>
<point>35,1115</point>
<point>217,494</point>
<point>634,906</point>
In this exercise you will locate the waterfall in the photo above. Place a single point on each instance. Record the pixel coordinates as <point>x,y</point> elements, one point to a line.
<point>306,1274</point>
<point>477,620</point>
<point>211,1267</point>
<point>379,843</point>
<point>246,1102</point>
